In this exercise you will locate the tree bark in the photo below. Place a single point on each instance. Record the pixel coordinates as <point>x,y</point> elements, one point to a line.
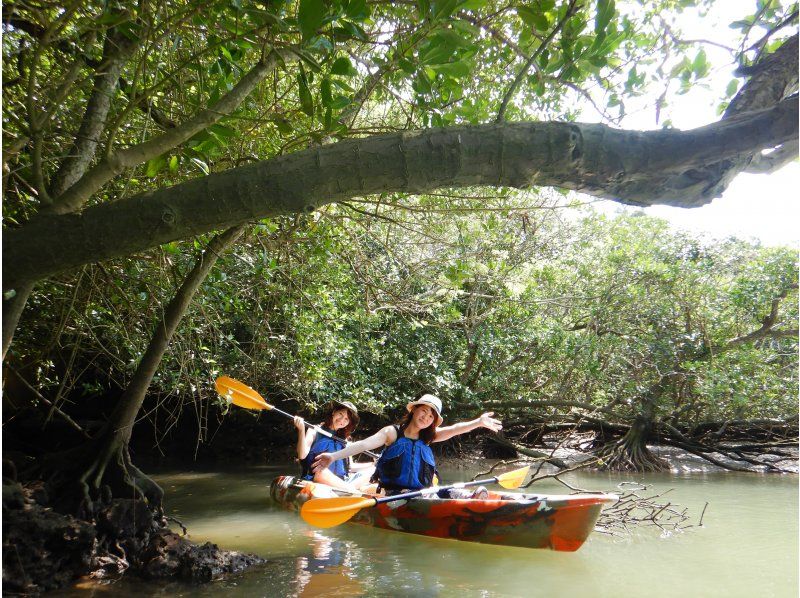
<point>77,194</point>
<point>640,168</point>
<point>12,311</point>
<point>116,50</point>
<point>110,460</point>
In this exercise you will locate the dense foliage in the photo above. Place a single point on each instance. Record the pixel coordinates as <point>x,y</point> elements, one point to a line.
<point>533,311</point>
<point>489,297</point>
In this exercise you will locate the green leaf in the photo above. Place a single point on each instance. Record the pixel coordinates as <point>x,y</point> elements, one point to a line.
<point>308,59</point>
<point>173,164</point>
<point>732,87</point>
<point>353,30</point>
<point>745,23</point>
<point>221,130</point>
<point>111,19</point>
<point>155,165</point>
<point>201,165</point>
<point>266,18</point>
<point>700,64</point>
<point>284,127</point>
<point>441,47</point>
<point>535,19</point>
<point>306,100</point>
<point>605,11</point>
<point>320,44</point>
<point>328,120</point>
<point>421,84</point>
<point>424,8</point>
<point>342,66</point>
<point>340,102</point>
<point>310,15</point>
<point>457,70</point>
<point>343,85</point>
<point>325,92</point>
<point>357,10</point>
<point>444,8</point>
<point>407,66</point>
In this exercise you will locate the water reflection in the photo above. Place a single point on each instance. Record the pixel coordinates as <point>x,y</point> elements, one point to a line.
<point>328,570</point>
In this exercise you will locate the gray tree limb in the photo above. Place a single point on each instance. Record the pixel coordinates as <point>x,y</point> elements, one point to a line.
<point>116,163</point>
<point>116,50</point>
<point>681,168</point>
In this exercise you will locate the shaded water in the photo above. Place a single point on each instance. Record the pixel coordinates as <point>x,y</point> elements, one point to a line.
<point>748,546</point>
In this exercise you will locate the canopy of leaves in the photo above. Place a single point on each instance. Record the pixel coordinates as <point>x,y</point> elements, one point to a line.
<point>498,296</point>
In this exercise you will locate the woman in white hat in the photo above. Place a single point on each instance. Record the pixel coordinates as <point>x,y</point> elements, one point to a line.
<point>408,462</point>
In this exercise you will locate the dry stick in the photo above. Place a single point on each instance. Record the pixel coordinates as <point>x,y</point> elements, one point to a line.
<point>52,406</point>
<point>493,467</point>
<point>501,439</point>
<point>501,114</point>
<point>557,476</point>
<point>620,515</point>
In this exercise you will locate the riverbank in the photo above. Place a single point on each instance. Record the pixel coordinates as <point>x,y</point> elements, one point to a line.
<point>44,550</point>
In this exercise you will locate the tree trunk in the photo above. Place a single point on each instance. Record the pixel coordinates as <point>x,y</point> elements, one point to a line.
<point>109,460</point>
<point>630,453</point>
<point>12,311</point>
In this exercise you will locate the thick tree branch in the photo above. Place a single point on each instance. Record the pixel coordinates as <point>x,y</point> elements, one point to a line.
<point>124,415</point>
<point>643,168</point>
<point>767,326</point>
<point>116,163</point>
<point>775,160</point>
<point>774,79</point>
<point>116,51</point>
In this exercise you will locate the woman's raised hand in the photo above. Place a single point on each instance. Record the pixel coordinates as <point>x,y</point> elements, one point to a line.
<point>487,421</point>
<point>299,423</point>
<point>321,462</point>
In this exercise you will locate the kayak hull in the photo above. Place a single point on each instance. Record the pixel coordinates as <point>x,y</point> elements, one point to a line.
<point>557,522</point>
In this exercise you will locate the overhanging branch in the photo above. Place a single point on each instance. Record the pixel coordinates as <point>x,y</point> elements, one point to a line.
<point>643,168</point>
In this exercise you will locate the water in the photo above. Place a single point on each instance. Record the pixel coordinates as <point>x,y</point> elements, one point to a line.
<point>748,546</point>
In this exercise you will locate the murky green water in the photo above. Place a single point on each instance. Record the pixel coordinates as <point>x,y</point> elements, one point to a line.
<point>748,546</point>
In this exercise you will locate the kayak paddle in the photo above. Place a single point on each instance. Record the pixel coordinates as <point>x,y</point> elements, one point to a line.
<point>328,512</point>
<point>242,395</point>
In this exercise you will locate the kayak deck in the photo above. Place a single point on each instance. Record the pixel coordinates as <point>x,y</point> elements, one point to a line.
<point>558,522</point>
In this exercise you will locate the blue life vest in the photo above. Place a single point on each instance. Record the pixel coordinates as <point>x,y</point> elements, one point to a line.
<point>406,464</point>
<point>323,444</point>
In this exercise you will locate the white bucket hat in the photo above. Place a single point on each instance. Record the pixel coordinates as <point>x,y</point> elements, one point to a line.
<point>431,401</point>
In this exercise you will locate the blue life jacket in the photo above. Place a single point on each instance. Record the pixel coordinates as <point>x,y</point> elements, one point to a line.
<point>323,444</point>
<point>406,464</point>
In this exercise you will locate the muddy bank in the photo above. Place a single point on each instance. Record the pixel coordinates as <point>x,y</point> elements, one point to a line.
<point>44,550</point>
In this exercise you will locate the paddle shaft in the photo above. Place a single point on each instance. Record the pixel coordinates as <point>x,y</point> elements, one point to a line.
<point>433,490</point>
<point>244,396</point>
<point>319,429</point>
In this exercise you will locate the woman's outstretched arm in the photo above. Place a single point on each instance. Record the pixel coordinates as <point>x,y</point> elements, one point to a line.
<point>383,437</point>
<point>484,421</point>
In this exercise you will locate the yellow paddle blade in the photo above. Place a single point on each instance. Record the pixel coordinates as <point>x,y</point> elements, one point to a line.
<point>513,479</point>
<point>328,512</point>
<point>240,394</point>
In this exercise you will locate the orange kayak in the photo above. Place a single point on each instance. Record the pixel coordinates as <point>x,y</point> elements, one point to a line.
<point>558,522</point>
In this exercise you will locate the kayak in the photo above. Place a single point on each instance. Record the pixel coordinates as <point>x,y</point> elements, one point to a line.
<point>557,522</point>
